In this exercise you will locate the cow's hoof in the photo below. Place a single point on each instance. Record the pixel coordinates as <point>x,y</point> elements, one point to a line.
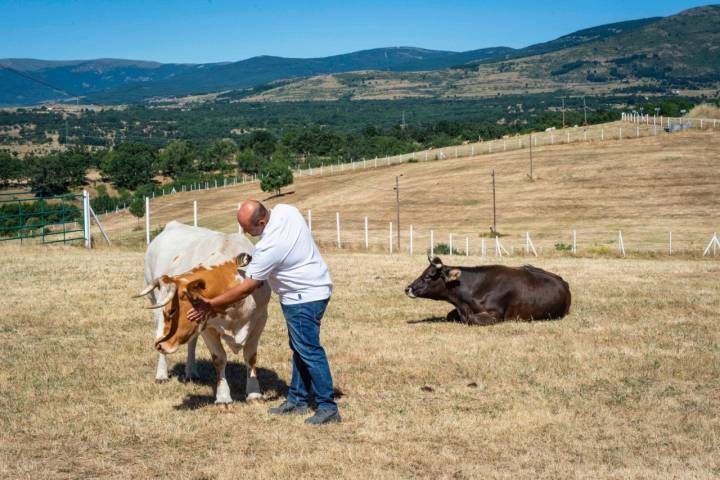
<point>223,401</point>
<point>160,381</point>
<point>255,401</point>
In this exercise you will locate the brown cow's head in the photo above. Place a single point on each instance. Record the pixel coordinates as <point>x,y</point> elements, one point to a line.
<point>433,281</point>
<point>176,292</point>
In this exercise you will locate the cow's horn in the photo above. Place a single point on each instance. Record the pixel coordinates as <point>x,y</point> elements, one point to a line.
<point>148,288</point>
<point>171,294</point>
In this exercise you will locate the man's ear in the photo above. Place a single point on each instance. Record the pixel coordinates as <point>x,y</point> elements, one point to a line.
<point>452,275</point>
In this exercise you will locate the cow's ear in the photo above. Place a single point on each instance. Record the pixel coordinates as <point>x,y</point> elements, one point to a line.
<point>453,275</point>
<point>195,286</point>
<point>243,260</point>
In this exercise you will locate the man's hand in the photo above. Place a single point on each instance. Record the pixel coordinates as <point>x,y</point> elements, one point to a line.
<point>201,309</point>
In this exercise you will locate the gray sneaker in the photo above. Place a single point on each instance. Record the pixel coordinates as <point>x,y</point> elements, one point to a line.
<point>324,415</point>
<point>289,408</point>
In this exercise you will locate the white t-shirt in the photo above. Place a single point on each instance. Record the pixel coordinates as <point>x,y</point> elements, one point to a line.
<point>288,259</point>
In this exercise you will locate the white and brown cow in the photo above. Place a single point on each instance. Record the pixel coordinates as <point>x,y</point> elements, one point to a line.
<point>184,262</point>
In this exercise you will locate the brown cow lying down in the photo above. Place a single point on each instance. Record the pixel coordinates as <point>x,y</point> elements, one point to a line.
<point>489,294</point>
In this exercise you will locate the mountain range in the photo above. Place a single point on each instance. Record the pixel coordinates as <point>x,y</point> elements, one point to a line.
<point>681,50</point>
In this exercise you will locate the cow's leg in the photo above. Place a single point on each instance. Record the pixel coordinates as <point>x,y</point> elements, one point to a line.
<point>453,316</point>
<point>161,373</point>
<point>191,372</point>
<point>252,387</point>
<point>219,360</point>
<point>483,318</point>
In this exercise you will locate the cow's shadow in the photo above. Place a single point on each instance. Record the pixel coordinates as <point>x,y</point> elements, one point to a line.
<point>431,320</point>
<point>235,374</point>
<point>451,317</point>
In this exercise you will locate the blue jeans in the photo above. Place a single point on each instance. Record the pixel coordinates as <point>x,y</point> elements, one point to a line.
<point>311,370</point>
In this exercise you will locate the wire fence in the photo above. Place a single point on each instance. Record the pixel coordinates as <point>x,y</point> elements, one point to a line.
<point>360,233</point>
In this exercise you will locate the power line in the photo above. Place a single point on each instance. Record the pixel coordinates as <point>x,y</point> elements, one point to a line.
<point>36,80</point>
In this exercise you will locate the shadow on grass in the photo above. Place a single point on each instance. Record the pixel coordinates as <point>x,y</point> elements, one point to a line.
<point>278,196</point>
<point>451,317</point>
<point>236,376</point>
<point>431,320</point>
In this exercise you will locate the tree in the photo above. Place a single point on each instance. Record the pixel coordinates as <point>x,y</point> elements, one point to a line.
<point>131,164</point>
<point>276,176</point>
<point>176,159</point>
<point>137,206</point>
<point>55,174</point>
<point>219,156</point>
<point>248,161</point>
<point>12,169</point>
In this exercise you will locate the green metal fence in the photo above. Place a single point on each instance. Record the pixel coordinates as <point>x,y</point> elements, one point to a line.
<point>51,219</point>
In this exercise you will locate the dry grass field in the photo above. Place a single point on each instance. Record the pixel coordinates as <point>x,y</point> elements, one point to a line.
<point>646,187</point>
<point>626,386</point>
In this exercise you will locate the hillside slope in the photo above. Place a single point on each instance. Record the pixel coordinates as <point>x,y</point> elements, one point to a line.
<point>27,81</point>
<point>646,187</point>
<point>677,52</point>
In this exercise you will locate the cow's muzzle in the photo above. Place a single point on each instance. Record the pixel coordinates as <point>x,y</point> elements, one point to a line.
<point>162,348</point>
<point>409,292</point>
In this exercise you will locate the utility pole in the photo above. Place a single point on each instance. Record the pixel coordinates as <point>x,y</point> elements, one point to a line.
<point>494,217</point>
<point>397,208</point>
<point>531,170</point>
<point>563,110</point>
<point>585,110</point>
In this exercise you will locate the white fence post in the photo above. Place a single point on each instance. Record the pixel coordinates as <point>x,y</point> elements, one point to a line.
<point>467,247</point>
<point>714,243</point>
<point>483,249</point>
<point>411,240</point>
<point>451,245</point>
<point>529,245</point>
<point>621,244</point>
<point>86,219</point>
<point>194,213</point>
<point>390,238</point>
<point>367,243</point>
<point>310,220</point>
<point>432,243</point>
<point>147,220</point>
<point>337,223</point>
<point>574,244</point>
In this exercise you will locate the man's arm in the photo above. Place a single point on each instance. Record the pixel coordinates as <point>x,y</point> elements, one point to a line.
<point>230,296</point>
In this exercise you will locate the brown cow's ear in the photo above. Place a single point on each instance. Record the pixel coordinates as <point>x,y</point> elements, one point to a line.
<point>453,275</point>
<point>195,286</point>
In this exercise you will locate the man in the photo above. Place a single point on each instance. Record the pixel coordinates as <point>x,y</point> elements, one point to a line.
<point>288,259</point>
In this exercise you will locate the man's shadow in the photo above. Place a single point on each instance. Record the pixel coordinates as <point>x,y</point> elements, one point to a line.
<point>272,386</point>
<point>236,376</point>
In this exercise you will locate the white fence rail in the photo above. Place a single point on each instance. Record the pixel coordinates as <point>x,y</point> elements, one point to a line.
<point>365,235</point>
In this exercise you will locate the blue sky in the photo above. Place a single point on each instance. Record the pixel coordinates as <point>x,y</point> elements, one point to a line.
<point>228,30</point>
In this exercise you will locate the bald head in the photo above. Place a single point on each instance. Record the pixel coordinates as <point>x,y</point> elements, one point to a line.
<point>253,216</point>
